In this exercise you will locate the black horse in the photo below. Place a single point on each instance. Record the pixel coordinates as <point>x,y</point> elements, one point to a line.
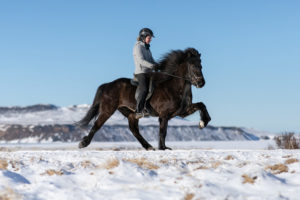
<point>172,97</point>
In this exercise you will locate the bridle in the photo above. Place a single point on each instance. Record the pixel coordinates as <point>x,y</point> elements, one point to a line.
<point>188,79</point>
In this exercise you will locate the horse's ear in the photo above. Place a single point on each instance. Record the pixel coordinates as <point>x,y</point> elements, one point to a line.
<point>188,52</point>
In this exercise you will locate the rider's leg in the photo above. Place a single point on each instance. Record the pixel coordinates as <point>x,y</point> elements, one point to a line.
<point>143,86</point>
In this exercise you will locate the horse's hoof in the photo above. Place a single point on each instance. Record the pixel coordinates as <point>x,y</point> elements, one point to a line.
<point>150,149</point>
<point>165,148</point>
<point>201,124</point>
<point>83,144</point>
<point>168,148</point>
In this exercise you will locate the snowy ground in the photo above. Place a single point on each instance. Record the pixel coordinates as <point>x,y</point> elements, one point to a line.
<point>197,170</point>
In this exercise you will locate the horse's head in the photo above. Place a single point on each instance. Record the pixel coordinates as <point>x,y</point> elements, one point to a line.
<point>194,67</point>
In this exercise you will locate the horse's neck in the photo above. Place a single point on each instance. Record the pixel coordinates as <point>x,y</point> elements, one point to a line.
<point>181,82</point>
<point>176,82</point>
<point>183,96</point>
<point>182,87</point>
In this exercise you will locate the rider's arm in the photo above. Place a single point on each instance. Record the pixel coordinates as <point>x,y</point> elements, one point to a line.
<point>139,55</point>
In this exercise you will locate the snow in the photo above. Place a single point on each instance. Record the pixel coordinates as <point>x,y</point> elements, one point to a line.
<point>245,145</point>
<point>193,170</point>
<point>61,115</point>
<point>259,133</point>
<point>3,127</point>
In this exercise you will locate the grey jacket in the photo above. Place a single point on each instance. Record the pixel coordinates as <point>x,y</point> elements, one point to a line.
<point>143,59</point>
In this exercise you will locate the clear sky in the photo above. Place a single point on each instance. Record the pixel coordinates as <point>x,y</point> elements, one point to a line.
<point>59,52</point>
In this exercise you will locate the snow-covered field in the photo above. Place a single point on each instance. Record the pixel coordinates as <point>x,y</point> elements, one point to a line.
<point>197,170</point>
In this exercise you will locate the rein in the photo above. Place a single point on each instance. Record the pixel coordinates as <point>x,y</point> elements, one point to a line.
<point>166,73</point>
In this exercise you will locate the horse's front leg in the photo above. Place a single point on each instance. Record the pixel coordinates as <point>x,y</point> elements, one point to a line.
<point>204,116</point>
<point>163,125</point>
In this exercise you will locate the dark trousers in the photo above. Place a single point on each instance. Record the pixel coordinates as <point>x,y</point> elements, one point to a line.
<point>142,89</point>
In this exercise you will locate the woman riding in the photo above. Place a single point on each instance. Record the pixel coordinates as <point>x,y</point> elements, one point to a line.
<point>144,63</point>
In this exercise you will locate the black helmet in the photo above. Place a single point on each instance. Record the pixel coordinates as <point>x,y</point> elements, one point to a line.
<point>146,32</point>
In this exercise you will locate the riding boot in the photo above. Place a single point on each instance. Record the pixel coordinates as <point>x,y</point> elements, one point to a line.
<point>148,108</point>
<point>139,113</point>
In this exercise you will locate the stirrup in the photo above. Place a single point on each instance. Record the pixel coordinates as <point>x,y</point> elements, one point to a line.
<point>139,115</point>
<point>146,113</point>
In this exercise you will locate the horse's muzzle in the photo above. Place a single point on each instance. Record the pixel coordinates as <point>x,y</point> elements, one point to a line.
<point>199,83</point>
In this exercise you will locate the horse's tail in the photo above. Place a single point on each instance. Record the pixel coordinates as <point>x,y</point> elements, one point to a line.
<point>93,111</point>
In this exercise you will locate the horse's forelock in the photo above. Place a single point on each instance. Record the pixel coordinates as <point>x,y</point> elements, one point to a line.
<point>192,52</point>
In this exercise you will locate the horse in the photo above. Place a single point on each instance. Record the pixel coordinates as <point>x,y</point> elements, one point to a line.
<point>172,96</point>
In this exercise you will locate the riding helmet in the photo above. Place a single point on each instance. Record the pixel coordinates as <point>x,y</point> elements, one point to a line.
<point>144,32</point>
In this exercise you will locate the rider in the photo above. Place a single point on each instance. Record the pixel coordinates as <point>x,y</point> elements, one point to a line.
<point>144,63</point>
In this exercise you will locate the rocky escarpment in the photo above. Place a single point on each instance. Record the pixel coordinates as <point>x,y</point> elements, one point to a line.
<point>49,123</point>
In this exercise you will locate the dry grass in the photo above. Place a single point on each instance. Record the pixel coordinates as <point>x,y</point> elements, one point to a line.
<point>290,161</point>
<point>5,149</point>
<point>142,162</point>
<point>202,167</point>
<point>287,156</point>
<point>229,157</point>
<point>194,162</point>
<point>51,172</point>
<point>278,168</point>
<point>3,164</point>
<point>15,164</point>
<point>248,179</point>
<point>9,194</point>
<point>189,196</point>
<point>87,164</point>
<point>213,165</point>
<point>287,141</point>
<point>271,147</point>
<point>110,164</point>
<point>164,161</point>
<point>216,164</point>
<point>240,165</point>
<point>266,156</point>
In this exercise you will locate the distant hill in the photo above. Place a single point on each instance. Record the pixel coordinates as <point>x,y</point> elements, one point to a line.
<point>49,123</point>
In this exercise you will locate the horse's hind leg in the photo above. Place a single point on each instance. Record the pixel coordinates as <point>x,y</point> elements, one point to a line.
<point>86,140</point>
<point>134,127</point>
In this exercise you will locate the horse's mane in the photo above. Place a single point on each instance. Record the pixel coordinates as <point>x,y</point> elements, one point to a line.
<point>172,60</point>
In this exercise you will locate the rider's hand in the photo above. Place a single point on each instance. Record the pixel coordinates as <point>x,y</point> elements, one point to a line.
<point>156,67</point>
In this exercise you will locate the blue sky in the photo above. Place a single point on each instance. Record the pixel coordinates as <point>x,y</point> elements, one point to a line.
<point>59,52</point>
